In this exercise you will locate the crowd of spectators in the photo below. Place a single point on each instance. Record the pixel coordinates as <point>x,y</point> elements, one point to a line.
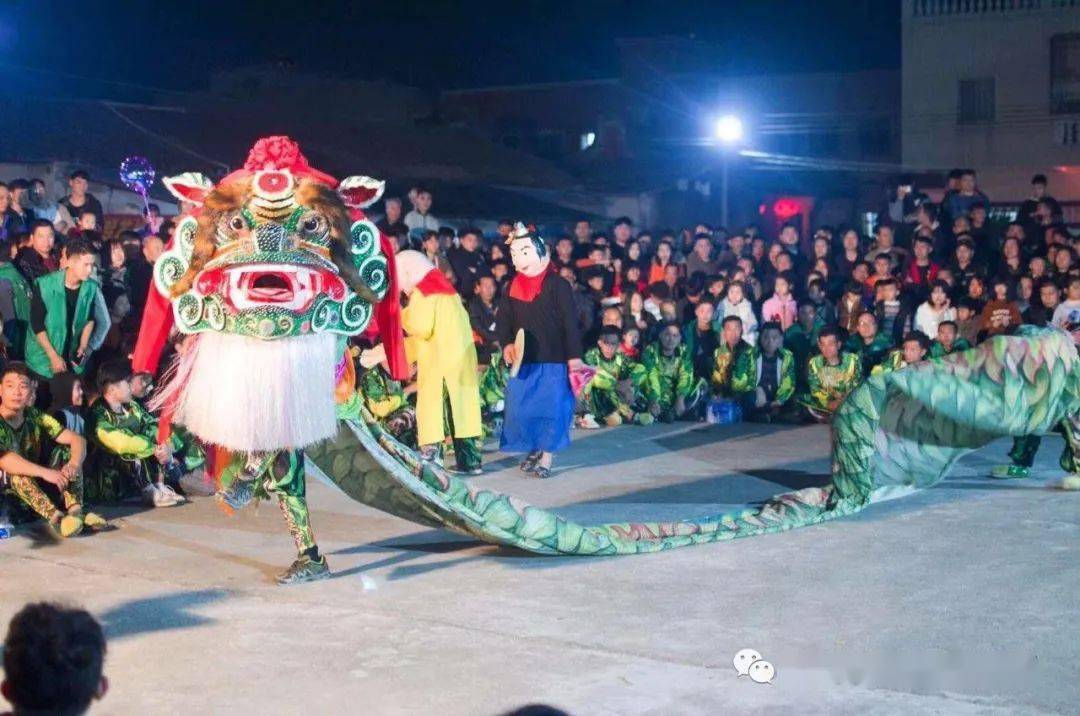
<point>71,303</point>
<point>782,326</point>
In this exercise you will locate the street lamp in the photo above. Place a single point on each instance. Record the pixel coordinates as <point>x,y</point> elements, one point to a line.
<point>728,131</point>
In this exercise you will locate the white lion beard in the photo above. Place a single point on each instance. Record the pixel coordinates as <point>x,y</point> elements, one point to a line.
<point>252,395</point>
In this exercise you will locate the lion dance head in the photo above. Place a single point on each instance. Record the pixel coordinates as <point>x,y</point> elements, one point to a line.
<point>270,272</point>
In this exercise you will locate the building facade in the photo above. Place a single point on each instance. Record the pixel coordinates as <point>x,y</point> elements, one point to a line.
<point>994,85</point>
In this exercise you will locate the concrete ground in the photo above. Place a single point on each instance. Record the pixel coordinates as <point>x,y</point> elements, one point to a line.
<point>961,599</point>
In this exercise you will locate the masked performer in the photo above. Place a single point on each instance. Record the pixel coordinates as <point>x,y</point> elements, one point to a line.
<point>438,338</point>
<point>270,274</point>
<point>539,402</point>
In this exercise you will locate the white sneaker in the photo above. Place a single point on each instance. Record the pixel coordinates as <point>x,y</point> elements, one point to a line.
<point>172,494</point>
<point>588,422</point>
<point>153,496</point>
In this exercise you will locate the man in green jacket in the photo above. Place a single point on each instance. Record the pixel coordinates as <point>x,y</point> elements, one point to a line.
<point>14,309</point>
<point>947,341</point>
<point>763,378</point>
<point>62,316</point>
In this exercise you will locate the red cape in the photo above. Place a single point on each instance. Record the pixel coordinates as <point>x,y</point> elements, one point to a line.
<point>527,288</point>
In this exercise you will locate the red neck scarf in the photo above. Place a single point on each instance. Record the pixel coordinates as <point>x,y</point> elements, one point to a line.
<point>434,282</point>
<point>527,288</point>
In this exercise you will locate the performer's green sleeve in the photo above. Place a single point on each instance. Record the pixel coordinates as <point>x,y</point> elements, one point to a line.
<point>819,395</point>
<point>744,372</point>
<point>123,442</point>
<point>786,389</point>
<point>685,384</point>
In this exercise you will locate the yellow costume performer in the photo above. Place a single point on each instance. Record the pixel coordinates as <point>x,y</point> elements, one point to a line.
<point>438,339</point>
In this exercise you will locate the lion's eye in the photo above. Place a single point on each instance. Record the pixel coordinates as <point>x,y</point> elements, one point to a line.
<point>313,227</point>
<point>237,223</point>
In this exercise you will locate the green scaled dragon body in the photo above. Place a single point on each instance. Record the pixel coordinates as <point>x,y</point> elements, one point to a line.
<point>896,433</point>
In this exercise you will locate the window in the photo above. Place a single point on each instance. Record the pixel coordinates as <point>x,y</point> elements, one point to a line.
<point>1065,73</point>
<point>976,101</point>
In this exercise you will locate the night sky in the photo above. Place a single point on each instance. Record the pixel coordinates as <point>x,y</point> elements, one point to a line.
<point>436,45</point>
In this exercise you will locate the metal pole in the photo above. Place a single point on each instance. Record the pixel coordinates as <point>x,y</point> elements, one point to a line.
<point>724,190</point>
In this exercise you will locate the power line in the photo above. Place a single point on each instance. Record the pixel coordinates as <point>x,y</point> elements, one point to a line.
<point>162,138</point>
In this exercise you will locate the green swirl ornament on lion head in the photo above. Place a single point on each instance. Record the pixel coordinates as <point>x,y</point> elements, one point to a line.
<point>276,249</point>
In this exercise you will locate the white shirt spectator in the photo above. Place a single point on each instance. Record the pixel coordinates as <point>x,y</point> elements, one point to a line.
<point>745,312</point>
<point>419,223</point>
<point>927,318</point>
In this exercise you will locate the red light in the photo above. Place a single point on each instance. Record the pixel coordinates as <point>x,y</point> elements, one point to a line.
<point>785,208</point>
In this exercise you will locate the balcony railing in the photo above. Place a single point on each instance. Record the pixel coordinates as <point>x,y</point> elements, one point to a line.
<point>942,8</point>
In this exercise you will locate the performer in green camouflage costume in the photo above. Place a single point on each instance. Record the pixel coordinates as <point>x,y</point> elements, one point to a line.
<point>763,377</point>
<point>493,393</point>
<point>914,349</point>
<point>123,462</point>
<point>616,393</point>
<point>672,389</point>
<point>830,376</point>
<point>730,348</point>
<point>385,399</point>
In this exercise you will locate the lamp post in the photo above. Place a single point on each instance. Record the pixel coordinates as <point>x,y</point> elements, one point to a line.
<point>729,134</point>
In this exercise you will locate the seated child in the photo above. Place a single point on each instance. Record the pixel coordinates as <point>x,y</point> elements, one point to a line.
<point>671,388</point>
<point>912,350</point>
<point>947,341</point>
<point>763,377</point>
<point>631,343</point>
<point>125,455</point>
<point>614,394</point>
<point>67,402</point>
<point>967,320</point>
<point>24,435</point>
<point>831,375</point>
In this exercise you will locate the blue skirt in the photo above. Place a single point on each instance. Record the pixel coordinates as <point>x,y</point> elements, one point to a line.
<point>539,409</point>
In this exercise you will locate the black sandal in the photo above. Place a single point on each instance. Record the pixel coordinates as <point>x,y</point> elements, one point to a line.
<point>541,472</point>
<point>529,463</point>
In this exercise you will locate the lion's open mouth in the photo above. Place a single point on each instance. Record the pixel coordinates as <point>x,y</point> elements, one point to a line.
<point>268,287</point>
<point>284,286</point>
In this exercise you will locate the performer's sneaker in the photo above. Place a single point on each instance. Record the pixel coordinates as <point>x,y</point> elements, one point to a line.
<point>644,419</point>
<point>65,526</point>
<point>305,569</point>
<point>613,421</point>
<point>238,495</point>
<point>155,496</point>
<point>468,471</point>
<point>1008,472</point>
<point>95,522</point>
<point>588,422</point>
